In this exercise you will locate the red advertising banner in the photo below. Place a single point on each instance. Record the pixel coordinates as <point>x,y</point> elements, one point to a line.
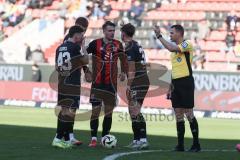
<point>31,91</point>
<point>42,92</point>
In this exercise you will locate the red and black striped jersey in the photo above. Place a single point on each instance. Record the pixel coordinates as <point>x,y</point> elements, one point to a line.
<point>104,61</point>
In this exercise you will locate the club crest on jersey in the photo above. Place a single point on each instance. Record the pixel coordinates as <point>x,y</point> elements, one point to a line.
<point>184,44</point>
<point>115,49</point>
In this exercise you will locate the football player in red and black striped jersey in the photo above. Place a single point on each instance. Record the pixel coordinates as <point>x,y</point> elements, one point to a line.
<point>105,54</point>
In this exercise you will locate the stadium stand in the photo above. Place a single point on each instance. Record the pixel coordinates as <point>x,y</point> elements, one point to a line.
<point>204,21</point>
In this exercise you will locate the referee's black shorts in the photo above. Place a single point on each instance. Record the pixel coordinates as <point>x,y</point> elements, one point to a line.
<point>182,95</point>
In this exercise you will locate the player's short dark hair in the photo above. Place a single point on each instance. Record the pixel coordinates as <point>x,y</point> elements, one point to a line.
<point>82,22</point>
<point>178,28</point>
<point>129,29</point>
<point>108,23</point>
<point>74,29</point>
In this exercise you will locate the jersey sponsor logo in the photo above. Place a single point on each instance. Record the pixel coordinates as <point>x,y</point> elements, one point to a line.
<point>179,59</point>
<point>184,44</point>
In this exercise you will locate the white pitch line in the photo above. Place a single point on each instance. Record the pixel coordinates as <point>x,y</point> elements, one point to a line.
<point>118,155</point>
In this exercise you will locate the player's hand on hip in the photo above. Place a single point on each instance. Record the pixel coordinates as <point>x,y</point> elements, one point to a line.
<point>88,76</point>
<point>122,76</point>
<point>128,93</point>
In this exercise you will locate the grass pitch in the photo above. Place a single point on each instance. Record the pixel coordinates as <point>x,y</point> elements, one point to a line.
<point>27,133</point>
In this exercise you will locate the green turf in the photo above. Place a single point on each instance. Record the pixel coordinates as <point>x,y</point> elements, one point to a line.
<point>26,134</point>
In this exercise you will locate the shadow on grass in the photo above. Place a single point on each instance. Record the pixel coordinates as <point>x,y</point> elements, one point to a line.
<point>28,143</point>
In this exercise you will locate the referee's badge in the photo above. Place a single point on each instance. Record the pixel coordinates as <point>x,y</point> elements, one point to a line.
<point>184,44</point>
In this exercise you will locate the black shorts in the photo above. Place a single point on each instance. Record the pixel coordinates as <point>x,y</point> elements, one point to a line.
<point>106,95</point>
<point>182,95</point>
<point>138,94</point>
<point>140,88</point>
<point>68,101</point>
<point>69,95</point>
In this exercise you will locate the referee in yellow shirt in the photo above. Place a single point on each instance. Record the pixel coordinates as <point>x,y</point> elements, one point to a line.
<point>182,92</point>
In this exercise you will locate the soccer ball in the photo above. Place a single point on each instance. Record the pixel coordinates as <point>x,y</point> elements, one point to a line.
<point>109,141</point>
<point>238,147</point>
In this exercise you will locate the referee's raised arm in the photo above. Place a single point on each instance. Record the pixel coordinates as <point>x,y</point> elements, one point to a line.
<point>169,46</point>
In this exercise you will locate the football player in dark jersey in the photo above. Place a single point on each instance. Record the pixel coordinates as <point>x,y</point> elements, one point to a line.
<point>83,23</point>
<point>137,86</point>
<point>69,61</point>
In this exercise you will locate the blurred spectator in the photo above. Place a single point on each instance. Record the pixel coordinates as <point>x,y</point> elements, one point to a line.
<point>1,31</point>
<point>230,42</point>
<point>39,3</point>
<point>106,7</point>
<point>63,11</point>
<point>36,73</point>
<point>231,21</point>
<point>199,61</point>
<point>37,55</point>
<point>89,10</point>
<point>136,11</point>
<point>11,14</point>
<point>199,56</point>
<point>12,1</point>
<point>97,11</point>
<point>166,1</point>
<point>230,39</point>
<point>33,4</point>
<point>1,56</point>
<point>28,52</point>
<point>158,4</point>
<point>203,29</point>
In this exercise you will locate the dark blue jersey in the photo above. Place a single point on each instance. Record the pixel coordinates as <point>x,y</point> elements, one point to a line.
<point>68,62</point>
<point>136,54</point>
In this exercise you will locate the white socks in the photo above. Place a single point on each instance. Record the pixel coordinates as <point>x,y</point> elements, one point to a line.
<point>71,136</point>
<point>143,140</point>
<point>94,138</point>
